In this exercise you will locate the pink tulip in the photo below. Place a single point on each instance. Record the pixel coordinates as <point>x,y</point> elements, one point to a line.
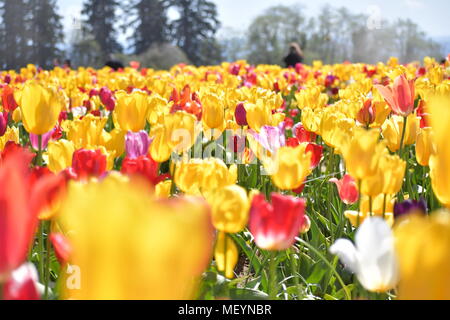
<point>34,139</point>
<point>348,191</point>
<point>400,97</point>
<point>137,144</point>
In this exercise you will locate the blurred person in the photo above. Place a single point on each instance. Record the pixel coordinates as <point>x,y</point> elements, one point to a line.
<point>67,64</point>
<point>295,55</point>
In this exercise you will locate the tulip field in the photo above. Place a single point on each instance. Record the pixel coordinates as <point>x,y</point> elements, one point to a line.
<point>226,182</point>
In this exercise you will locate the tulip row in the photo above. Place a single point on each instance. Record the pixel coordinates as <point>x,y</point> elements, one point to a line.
<point>230,181</point>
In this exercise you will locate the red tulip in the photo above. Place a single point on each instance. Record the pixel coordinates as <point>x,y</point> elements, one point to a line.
<point>275,225</point>
<point>316,153</point>
<point>63,248</point>
<point>400,97</point>
<point>9,103</point>
<point>366,115</point>
<point>143,166</point>
<point>11,148</point>
<point>422,113</point>
<point>48,192</point>
<point>348,191</point>
<point>107,98</point>
<point>86,163</point>
<point>22,285</point>
<point>17,221</point>
<point>302,134</point>
<point>292,142</point>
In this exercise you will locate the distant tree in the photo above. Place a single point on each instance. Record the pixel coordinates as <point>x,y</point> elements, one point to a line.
<point>100,23</point>
<point>46,32</point>
<point>412,43</point>
<point>195,29</point>
<point>269,34</point>
<point>13,34</point>
<point>149,23</point>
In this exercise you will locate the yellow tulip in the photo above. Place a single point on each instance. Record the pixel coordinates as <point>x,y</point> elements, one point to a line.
<point>392,168</point>
<point>17,115</point>
<point>424,146</point>
<point>377,210</point>
<point>162,189</point>
<point>290,167</point>
<point>258,115</point>
<point>423,246</point>
<point>213,114</point>
<point>392,131</point>
<point>133,246</point>
<point>202,176</point>
<point>114,141</point>
<point>86,132</point>
<point>131,110</point>
<point>59,155</point>
<point>177,133</point>
<point>440,160</point>
<point>362,153</point>
<point>40,107</point>
<point>11,134</point>
<point>226,254</point>
<point>230,208</point>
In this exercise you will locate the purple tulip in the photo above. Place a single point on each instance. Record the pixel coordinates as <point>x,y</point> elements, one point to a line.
<point>34,139</point>
<point>137,144</point>
<point>3,123</point>
<point>241,115</point>
<point>271,138</point>
<point>410,206</point>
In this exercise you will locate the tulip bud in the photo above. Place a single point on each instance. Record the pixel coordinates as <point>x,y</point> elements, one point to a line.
<point>306,225</point>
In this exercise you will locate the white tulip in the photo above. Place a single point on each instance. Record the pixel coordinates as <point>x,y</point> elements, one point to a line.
<point>373,257</point>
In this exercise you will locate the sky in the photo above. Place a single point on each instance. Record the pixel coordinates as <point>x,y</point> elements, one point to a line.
<point>431,15</point>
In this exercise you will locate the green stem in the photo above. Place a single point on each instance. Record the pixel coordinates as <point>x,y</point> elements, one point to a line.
<point>384,206</point>
<point>273,276</point>
<point>400,150</point>
<point>294,270</point>
<point>370,206</point>
<point>173,186</point>
<point>41,252</point>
